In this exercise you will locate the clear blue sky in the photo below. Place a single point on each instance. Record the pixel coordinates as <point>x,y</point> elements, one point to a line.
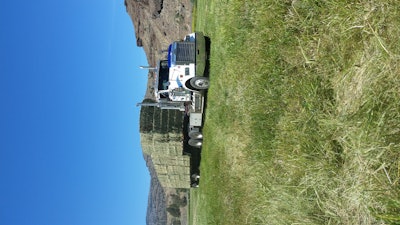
<point>69,82</point>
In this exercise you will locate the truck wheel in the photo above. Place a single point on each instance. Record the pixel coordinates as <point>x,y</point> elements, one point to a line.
<point>195,135</point>
<point>195,143</point>
<point>200,83</point>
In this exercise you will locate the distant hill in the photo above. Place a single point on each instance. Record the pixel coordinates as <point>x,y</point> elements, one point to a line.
<point>162,140</point>
<point>157,23</point>
<point>156,213</point>
<point>161,137</point>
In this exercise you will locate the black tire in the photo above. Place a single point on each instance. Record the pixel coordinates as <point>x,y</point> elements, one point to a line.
<point>195,143</point>
<point>200,83</point>
<point>195,135</point>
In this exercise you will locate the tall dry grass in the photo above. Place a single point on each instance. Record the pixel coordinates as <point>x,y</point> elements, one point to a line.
<point>303,118</point>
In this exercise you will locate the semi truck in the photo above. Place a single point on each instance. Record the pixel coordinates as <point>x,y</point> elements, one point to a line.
<point>180,82</point>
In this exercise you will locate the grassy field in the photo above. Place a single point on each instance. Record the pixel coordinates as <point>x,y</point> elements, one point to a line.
<point>303,117</point>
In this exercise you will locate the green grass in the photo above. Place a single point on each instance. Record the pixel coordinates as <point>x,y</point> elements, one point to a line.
<point>194,14</point>
<point>303,117</point>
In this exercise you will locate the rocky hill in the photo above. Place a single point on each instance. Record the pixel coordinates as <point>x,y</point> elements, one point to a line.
<point>161,137</point>
<point>156,213</point>
<point>157,23</point>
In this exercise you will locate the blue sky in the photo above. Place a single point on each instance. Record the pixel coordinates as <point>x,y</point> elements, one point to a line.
<point>69,82</point>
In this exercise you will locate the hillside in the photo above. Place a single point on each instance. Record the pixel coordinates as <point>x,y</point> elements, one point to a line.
<point>161,137</point>
<point>156,24</point>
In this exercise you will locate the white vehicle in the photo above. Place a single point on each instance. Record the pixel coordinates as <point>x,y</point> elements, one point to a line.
<point>187,61</point>
<point>180,82</point>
